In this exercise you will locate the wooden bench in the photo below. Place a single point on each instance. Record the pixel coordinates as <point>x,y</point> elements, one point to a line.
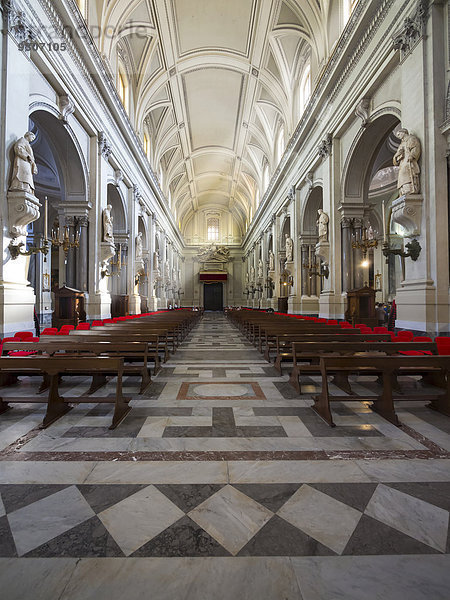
<point>129,351</point>
<point>53,367</point>
<point>155,346</point>
<point>283,342</point>
<point>388,367</point>
<point>311,352</point>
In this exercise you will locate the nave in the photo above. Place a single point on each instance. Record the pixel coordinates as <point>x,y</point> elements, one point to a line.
<point>222,482</point>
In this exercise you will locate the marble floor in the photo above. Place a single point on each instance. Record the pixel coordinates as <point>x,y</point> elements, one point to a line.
<point>223,483</point>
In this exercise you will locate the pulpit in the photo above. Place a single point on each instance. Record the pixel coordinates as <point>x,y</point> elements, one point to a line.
<point>283,304</point>
<point>361,307</point>
<point>119,305</point>
<point>69,307</point>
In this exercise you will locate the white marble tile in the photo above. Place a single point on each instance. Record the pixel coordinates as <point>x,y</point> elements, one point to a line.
<point>189,421</point>
<point>202,411</point>
<point>406,470</point>
<point>325,519</point>
<point>231,518</point>
<point>294,427</point>
<point>139,518</point>
<point>418,519</point>
<point>37,578</point>
<point>153,427</point>
<point>66,444</point>
<point>257,421</point>
<point>159,472</point>
<point>373,577</point>
<point>293,471</point>
<point>45,519</point>
<point>434,434</point>
<point>19,429</point>
<point>45,471</point>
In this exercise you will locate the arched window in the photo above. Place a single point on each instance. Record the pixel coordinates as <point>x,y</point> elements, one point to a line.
<point>280,144</point>
<point>146,145</point>
<point>213,229</point>
<point>305,89</point>
<point>347,6</point>
<point>122,87</point>
<point>82,6</point>
<point>266,177</point>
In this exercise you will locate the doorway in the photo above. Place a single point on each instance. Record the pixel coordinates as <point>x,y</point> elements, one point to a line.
<point>213,296</point>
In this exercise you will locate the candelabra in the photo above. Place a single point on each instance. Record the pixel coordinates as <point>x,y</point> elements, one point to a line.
<point>119,263</point>
<point>65,243</point>
<point>366,242</point>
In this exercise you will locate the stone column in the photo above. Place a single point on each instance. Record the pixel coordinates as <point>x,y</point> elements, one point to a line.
<point>305,274</point>
<point>313,279</point>
<point>82,253</point>
<point>346,233</point>
<point>358,257</point>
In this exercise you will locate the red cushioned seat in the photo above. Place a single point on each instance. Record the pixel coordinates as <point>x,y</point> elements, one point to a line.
<point>422,338</point>
<point>346,325</point>
<point>97,323</point>
<point>380,330</point>
<point>443,344</point>
<point>406,336</point>
<point>50,331</point>
<point>332,322</point>
<point>23,335</point>
<point>67,328</point>
<point>83,326</point>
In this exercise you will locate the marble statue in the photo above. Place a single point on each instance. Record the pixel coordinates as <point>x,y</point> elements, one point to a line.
<point>252,273</point>
<point>139,247</point>
<point>260,269</point>
<point>406,157</point>
<point>271,261</point>
<point>289,248</point>
<point>322,224</point>
<point>247,278</point>
<point>156,261</point>
<point>108,235</point>
<point>24,165</point>
<point>166,268</point>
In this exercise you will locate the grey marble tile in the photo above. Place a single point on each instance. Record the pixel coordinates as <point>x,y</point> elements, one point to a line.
<point>37,523</point>
<point>134,521</point>
<point>230,517</point>
<point>188,496</point>
<point>37,578</point>
<point>18,496</point>
<point>7,545</point>
<point>325,519</point>
<point>410,515</point>
<point>373,577</point>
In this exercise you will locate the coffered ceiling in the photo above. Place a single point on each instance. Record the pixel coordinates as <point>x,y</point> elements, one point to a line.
<point>214,84</point>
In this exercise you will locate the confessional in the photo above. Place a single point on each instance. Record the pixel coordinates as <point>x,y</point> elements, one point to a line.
<point>69,307</point>
<point>361,307</point>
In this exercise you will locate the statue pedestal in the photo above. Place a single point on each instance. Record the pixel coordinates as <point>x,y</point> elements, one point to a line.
<point>153,304</point>
<point>407,212</point>
<point>135,304</point>
<point>16,308</point>
<point>23,209</point>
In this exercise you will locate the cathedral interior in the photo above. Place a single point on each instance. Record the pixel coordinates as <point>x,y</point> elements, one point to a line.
<point>208,187</point>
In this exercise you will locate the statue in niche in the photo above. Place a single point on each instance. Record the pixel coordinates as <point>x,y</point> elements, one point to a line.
<point>271,261</point>
<point>24,165</point>
<point>289,243</point>
<point>260,269</point>
<point>156,261</point>
<point>252,273</point>
<point>139,247</point>
<point>166,268</point>
<point>322,224</point>
<point>108,235</point>
<point>406,159</point>
<point>370,233</point>
<point>247,279</point>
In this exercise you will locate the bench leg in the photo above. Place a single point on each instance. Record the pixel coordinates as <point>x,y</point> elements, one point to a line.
<point>7,379</point>
<point>384,404</point>
<point>442,403</point>
<point>146,380</point>
<point>121,408</point>
<point>56,407</point>
<point>294,380</point>
<point>277,365</point>
<point>340,379</point>
<point>98,381</point>
<point>157,364</point>
<point>4,406</point>
<point>321,404</point>
<point>437,379</point>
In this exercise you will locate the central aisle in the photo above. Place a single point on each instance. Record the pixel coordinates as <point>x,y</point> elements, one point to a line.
<point>222,483</point>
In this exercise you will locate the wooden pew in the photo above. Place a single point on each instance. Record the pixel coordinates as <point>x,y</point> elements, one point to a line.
<point>53,367</point>
<point>311,352</point>
<point>389,367</point>
<point>154,345</point>
<point>130,351</point>
<point>283,343</point>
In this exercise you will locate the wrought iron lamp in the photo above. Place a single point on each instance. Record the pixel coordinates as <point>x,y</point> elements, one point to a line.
<point>16,250</point>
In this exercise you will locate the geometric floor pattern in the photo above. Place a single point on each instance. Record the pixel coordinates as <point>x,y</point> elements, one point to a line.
<point>222,482</point>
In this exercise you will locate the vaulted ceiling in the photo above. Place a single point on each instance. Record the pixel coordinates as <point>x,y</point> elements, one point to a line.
<point>215,86</point>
